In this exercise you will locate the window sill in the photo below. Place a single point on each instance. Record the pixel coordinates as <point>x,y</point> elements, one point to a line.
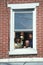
<point>23,51</point>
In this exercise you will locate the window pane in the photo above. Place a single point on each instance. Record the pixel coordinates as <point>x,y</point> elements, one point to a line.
<point>21,63</point>
<point>23,40</point>
<point>23,29</point>
<point>23,20</point>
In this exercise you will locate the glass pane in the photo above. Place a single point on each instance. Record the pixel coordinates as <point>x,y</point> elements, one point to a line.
<point>23,20</point>
<point>21,63</point>
<point>23,40</point>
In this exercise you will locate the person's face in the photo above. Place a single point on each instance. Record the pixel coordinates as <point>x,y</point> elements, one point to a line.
<point>30,36</point>
<point>27,43</point>
<point>18,40</point>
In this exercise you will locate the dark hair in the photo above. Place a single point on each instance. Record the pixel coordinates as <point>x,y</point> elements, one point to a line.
<point>16,40</point>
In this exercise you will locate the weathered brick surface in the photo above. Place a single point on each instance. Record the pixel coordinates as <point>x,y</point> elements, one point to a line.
<point>5,28</point>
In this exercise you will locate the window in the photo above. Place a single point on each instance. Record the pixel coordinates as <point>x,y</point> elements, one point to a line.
<point>23,29</point>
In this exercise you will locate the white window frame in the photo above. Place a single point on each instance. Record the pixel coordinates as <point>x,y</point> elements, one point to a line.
<point>27,50</point>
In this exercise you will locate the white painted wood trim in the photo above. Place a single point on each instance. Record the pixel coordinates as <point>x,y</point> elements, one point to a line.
<point>22,60</point>
<point>23,51</point>
<point>23,6</point>
<point>34,29</point>
<point>11,31</point>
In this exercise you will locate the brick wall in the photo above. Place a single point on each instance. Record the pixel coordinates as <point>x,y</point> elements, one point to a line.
<point>5,28</point>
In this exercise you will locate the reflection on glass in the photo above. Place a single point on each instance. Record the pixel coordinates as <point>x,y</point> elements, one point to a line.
<point>21,63</point>
<point>23,20</point>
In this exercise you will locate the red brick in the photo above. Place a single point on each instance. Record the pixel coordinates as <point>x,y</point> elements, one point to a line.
<point>5,28</point>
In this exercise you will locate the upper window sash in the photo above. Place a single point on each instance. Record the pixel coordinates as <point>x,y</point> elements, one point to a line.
<point>26,28</point>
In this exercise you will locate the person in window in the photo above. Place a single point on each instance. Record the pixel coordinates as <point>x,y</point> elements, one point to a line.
<point>27,44</point>
<point>18,43</point>
<point>31,40</point>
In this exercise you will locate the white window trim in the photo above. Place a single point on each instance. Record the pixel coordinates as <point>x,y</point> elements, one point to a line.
<point>22,51</point>
<point>23,6</point>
